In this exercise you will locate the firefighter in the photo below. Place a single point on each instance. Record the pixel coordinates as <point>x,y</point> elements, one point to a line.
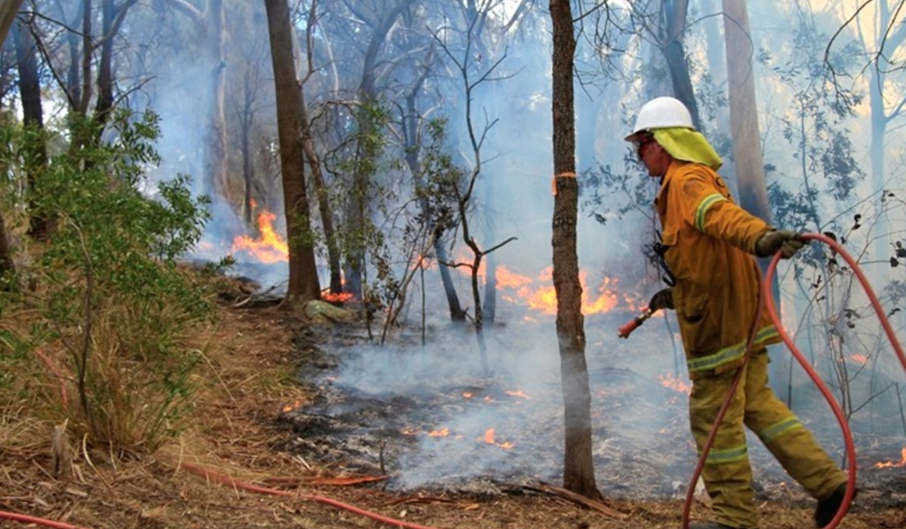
<point>709,243</point>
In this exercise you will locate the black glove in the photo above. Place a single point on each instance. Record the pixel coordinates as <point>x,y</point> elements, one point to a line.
<point>784,241</point>
<point>663,299</point>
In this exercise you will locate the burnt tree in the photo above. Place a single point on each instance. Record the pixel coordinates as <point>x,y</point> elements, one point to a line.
<point>578,465</point>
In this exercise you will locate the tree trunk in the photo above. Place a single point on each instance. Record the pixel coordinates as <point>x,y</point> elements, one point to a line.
<point>753,192</point>
<point>8,10</point>
<point>303,274</point>
<point>324,207</point>
<point>32,117</point>
<point>217,135</point>
<point>359,202</point>
<point>578,465</point>
<point>677,62</point>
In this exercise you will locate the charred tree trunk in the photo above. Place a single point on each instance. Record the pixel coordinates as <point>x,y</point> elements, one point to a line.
<point>303,275</point>
<point>456,311</point>
<point>578,465</point>
<point>32,118</point>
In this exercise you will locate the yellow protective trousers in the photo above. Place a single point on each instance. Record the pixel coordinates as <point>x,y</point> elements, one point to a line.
<point>727,473</point>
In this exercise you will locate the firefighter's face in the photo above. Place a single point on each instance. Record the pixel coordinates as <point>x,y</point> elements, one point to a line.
<point>652,155</point>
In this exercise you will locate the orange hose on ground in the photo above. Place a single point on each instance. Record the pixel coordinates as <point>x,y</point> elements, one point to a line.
<point>767,294</point>
<point>40,521</point>
<point>227,480</point>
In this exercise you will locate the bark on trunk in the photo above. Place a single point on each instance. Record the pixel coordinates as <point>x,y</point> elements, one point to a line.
<point>677,62</point>
<point>303,275</point>
<point>753,192</point>
<point>8,10</point>
<point>32,117</point>
<point>578,467</point>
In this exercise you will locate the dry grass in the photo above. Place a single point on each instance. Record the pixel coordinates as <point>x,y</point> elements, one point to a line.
<point>246,379</point>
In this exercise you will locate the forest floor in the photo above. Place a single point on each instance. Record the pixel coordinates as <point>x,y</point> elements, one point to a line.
<point>235,433</point>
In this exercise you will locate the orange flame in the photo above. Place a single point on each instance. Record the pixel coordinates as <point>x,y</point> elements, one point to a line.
<point>290,407</point>
<point>269,247</point>
<point>543,297</point>
<point>490,438</point>
<point>891,464</point>
<point>520,394</point>
<point>861,359</point>
<point>443,432</point>
<point>341,297</point>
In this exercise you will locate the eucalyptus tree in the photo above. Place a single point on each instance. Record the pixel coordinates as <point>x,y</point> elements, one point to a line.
<point>303,275</point>
<point>753,195</point>
<point>377,19</point>
<point>32,117</point>
<point>209,18</point>
<point>578,464</point>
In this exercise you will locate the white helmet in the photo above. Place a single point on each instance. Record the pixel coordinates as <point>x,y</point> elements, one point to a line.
<point>660,113</point>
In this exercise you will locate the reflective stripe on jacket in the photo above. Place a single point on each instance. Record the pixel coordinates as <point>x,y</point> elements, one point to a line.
<point>709,243</point>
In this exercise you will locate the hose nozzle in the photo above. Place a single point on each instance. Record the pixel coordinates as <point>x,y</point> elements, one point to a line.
<point>635,323</point>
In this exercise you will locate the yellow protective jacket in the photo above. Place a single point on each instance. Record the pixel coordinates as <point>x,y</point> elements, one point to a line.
<point>710,243</point>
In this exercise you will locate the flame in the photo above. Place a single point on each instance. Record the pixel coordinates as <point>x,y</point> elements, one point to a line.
<point>891,464</point>
<point>539,293</point>
<point>341,297</point>
<point>520,394</point>
<point>861,359</point>
<point>443,432</point>
<point>675,383</point>
<point>468,395</point>
<point>490,438</point>
<point>269,247</point>
<point>290,407</point>
<point>508,279</point>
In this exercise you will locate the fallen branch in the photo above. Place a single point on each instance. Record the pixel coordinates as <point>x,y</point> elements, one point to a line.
<point>577,499</point>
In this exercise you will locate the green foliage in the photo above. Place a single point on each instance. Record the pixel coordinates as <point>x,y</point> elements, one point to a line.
<point>110,288</point>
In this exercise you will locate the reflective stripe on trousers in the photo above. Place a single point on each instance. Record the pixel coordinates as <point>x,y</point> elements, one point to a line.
<point>727,473</point>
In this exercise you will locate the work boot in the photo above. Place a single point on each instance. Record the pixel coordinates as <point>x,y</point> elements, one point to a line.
<point>828,507</point>
<point>710,525</point>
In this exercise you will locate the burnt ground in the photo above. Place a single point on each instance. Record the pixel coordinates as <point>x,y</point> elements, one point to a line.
<point>421,415</point>
<point>356,431</point>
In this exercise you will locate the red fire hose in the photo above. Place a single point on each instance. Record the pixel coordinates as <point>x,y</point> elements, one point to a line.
<point>767,297</point>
